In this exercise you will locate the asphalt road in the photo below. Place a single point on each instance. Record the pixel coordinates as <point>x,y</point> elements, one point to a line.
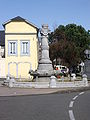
<point>81,108</point>
<point>67,106</point>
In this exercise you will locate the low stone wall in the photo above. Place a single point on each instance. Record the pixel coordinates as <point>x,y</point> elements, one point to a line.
<point>51,84</point>
<point>29,84</point>
<point>71,84</point>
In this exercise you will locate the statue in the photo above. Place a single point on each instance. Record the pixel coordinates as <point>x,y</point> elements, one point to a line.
<point>44,31</point>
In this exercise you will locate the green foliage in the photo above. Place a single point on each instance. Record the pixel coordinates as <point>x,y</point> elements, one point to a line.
<point>69,43</point>
<point>77,34</point>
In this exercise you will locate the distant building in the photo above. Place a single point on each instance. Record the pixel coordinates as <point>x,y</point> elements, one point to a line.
<point>2,54</point>
<point>2,43</point>
<point>2,38</point>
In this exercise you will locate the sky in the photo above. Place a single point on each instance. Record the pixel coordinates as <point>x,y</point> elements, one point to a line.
<point>51,12</point>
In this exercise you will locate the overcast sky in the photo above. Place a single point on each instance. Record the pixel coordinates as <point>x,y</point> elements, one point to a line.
<point>52,12</point>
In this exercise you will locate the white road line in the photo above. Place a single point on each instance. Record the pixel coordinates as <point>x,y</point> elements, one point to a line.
<point>71,115</point>
<point>71,104</point>
<point>75,97</point>
<point>81,93</point>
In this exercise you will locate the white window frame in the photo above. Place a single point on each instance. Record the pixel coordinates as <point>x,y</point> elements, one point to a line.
<point>25,47</point>
<point>12,47</point>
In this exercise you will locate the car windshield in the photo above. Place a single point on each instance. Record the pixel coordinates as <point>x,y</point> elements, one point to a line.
<point>63,68</point>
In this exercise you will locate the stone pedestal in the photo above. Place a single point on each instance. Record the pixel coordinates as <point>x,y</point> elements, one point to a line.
<point>73,76</point>
<point>85,79</point>
<point>43,79</point>
<point>53,82</point>
<point>11,81</point>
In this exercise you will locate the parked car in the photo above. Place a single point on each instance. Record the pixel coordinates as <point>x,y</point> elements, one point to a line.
<point>62,69</point>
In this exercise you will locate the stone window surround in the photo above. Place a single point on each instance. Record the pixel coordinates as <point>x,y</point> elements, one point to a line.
<point>16,49</point>
<point>9,48</point>
<point>26,47</point>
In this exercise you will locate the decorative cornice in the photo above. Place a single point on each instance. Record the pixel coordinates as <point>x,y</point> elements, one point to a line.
<point>20,33</point>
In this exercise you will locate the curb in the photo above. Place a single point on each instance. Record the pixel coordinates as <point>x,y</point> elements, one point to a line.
<point>69,90</point>
<point>62,91</point>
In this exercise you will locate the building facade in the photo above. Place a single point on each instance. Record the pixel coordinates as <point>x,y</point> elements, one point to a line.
<point>21,54</point>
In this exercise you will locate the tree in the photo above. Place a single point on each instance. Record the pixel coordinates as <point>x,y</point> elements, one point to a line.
<point>69,43</point>
<point>66,51</point>
<point>58,34</point>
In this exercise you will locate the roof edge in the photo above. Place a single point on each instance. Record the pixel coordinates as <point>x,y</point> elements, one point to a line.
<point>30,23</point>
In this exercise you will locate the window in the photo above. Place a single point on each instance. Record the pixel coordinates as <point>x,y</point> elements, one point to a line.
<point>25,47</point>
<point>12,47</point>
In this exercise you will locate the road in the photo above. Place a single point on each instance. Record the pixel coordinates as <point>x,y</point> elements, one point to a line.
<point>67,106</point>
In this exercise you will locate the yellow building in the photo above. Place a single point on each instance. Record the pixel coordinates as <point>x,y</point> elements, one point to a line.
<point>21,54</point>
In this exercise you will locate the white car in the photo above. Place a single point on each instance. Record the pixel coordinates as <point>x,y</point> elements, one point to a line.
<point>61,69</point>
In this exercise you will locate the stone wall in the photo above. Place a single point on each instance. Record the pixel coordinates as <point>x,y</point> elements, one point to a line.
<point>2,68</point>
<point>52,84</point>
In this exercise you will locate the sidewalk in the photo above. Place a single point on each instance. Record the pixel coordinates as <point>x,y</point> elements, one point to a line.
<point>6,91</point>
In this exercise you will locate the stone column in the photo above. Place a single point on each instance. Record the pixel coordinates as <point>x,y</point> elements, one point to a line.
<point>44,44</point>
<point>45,68</point>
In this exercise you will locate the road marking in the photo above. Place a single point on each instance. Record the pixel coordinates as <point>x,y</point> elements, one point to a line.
<point>75,97</point>
<point>71,104</point>
<point>71,115</point>
<point>81,93</point>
